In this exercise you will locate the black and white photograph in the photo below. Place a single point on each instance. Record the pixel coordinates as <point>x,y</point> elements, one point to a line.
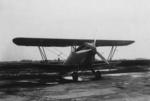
<point>74,50</point>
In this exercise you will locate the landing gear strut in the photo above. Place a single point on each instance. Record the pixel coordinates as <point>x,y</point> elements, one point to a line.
<point>75,76</point>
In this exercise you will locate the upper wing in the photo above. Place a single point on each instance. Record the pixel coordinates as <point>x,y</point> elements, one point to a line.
<point>46,42</point>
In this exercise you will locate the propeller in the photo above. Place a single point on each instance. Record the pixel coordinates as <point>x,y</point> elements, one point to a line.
<point>102,57</point>
<point>93,47</point>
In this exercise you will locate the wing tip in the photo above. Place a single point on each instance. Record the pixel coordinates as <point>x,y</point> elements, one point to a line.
<point>14,40</point>
<point>131,42</point>
<point>17,40</point>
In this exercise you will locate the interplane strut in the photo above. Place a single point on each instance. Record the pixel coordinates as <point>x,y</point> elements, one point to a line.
<point>112,52</point>
<point>43,54</point>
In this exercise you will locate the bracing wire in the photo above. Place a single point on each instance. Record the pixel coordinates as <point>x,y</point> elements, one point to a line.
<point>54,52</point>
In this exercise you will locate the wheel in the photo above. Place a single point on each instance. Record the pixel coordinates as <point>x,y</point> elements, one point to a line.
<point>59,78</point>
<point>98,75</point>
<point>75,76</point>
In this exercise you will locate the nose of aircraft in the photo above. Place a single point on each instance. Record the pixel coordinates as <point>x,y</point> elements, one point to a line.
<point>93,47</point>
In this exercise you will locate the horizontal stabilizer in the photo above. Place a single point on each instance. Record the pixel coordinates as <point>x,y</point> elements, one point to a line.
<point>46,42</point>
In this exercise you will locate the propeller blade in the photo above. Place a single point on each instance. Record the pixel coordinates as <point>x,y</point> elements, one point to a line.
<point>102,57</point>
<point>94,43</point>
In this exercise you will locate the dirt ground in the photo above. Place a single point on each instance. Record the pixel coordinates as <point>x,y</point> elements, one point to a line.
<point>119,87</point>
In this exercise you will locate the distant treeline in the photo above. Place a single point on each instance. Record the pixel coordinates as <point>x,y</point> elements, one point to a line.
<point>129,62</point>
<point>141,62</point>
<point>133,62</point>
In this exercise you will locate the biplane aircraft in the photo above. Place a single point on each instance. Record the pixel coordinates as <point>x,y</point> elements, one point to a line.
<point>82,54</point>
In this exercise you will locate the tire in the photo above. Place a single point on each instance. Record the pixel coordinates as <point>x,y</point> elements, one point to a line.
<point>75,76</point>
<point>98,75</point>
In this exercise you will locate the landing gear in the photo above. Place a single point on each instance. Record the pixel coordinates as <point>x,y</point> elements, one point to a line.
<point>75,76</point>
<point>97,74</point>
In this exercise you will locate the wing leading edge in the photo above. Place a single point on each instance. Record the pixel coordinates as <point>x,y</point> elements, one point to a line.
<point>46,42</point>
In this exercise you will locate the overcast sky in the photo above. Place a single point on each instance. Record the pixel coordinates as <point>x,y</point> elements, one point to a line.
<point>96,19</point>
